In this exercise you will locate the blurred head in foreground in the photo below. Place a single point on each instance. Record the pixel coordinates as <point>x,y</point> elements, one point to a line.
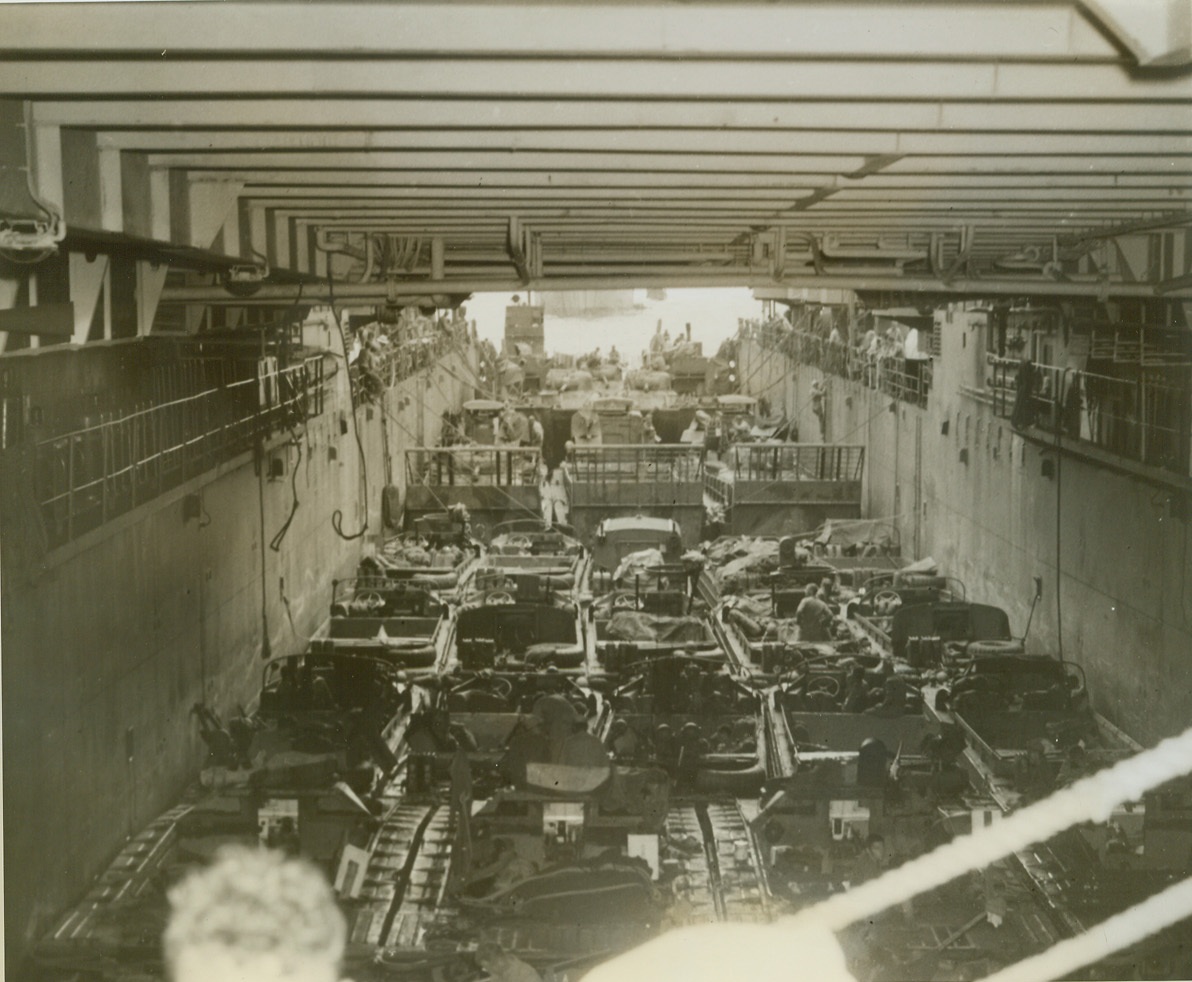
<point>254,915</point>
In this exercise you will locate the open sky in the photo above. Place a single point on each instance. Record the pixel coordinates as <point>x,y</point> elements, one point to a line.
<point>712,314</point>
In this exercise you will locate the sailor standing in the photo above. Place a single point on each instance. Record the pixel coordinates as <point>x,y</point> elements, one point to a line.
<point>554,494</point>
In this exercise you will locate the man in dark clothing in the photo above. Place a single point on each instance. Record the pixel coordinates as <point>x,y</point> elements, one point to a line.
<point>1024,396</point>
<point>814,617</point>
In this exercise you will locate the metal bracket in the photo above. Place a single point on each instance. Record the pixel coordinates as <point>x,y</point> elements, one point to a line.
<point>31,235</point>
<point>246,273</point>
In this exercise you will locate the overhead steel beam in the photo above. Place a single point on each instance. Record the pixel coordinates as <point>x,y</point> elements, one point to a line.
<point>511,178</point>
<point>941,112</point>
<point>1009,206</point>
<point>566,77</point>
<point>465,197</point>
<point>944,196</point>
<point>351,292</point>
<point>898,222</point>
<point>1046,31</point>
<point>1047,164</point>
<point>499,160</point>
<point>643,140</point>
<point>331,196</point>
<point>1175,283</point>
<point>748,211</point>
<point>1156,32</point>
<point>932,181</point>
<point>1171,220</point>
<point>651,140</point>
<point>820,170</point>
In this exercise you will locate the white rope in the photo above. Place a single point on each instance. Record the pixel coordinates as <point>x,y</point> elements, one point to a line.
<point>1149,917</point>
<point>1090,799</point>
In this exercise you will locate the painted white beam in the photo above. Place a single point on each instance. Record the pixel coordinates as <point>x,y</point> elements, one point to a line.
<point>743,190</point>
<point>933,199</point>
<point>87,279</point>
<point>943,195</point>
<point>654,140</point>
<point>906,215</point>
<point>1086,180</point>
<point>111,191</point>
<point>1156,32</point>
<point>339,179</point>
<point>579,210</point>
<point>603,78</point>
<point>465,197</point>
<point>820,29</point>
<point>680,170</point>
<point>365,195</point>
<point>211,204</point>
<point>497,160</point>
<point>159,205</point>
<point>1049,164</point>
<point>1007,206</point>
<point>942,111</point>
<point>151,280</point>
<point>47,166</point>
<point>1013,286</point>
<point>461,229</point>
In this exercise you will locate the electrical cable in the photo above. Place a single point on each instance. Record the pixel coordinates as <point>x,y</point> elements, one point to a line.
<point>337,516</point>
<point>1059,581</point>
<point>266,646</point>
<point>295,440</point>
<point>290,613</point>
<point>275,542</point>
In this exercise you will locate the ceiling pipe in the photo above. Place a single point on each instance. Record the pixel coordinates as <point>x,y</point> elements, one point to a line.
<point>378,292</point>
<point>370,253</point>
<point>833,249</point>
<point>325,243</point>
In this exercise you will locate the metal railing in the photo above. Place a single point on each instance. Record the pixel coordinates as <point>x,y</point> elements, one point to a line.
<point>884,369</point>
<point>87,477</point>
<point>462,466</point>
<point>789,462</point>
<point>1147,419</point>
<point>644,463</point>
<point>718,486</point>
<point>404,352</point>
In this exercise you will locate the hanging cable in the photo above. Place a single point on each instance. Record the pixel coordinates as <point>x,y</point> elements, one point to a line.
<point>337,516</point>
<point>266,646</point>
<point>276,541</point>
<point>1057,422</point>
